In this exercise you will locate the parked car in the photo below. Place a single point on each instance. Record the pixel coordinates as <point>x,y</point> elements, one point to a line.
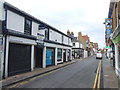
<point>99,55</point>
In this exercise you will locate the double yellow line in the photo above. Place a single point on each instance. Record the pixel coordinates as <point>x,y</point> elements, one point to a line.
<point>97,78</point>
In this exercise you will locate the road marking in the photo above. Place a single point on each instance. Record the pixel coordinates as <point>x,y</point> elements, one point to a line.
<point>97,77</point>
<point>98,85</point>
<point>106,75</point>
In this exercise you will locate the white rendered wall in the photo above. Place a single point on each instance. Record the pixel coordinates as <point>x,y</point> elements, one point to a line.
<point>2,12</point>
<point>70,43</point>
<point>44,57</point>
<point>15,21</point>
<point>55,36</point>
<point>19,40</point>
<point>76,45</point>
<point>65,40</point>
<point>32,57</point>
<point>34,28</point>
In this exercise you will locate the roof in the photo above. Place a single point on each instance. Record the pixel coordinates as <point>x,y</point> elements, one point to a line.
<point>86,37</point>
<point>22,13</point>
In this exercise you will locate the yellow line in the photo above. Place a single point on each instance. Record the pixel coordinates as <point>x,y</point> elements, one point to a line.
<point>98,86</point>
<point>95,81</point>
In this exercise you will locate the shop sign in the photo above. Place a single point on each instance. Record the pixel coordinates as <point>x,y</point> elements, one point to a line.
<point>108,31</point>
<point>40,38</point>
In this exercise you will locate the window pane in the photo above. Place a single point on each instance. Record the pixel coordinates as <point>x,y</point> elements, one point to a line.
<point>28,26</point>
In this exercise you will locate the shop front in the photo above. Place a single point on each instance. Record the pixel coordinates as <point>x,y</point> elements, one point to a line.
<point>116,40</point>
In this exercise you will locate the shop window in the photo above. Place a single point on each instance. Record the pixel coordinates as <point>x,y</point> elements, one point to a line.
<point>59,54</point>
<point>28,27</point>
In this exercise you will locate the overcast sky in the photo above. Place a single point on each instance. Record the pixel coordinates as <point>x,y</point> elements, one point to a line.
<point>86,16</point>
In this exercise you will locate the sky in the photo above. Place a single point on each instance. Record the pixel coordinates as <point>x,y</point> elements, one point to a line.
<point>86,16</point>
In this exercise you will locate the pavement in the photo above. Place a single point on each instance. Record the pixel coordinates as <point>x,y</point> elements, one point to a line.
<point>109,76</point>
<point>110,79</point>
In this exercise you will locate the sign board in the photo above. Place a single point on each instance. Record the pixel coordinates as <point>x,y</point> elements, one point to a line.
<point>108,31</point>
<point>40,38</point>
<point>108,23</point>
<point>42,26</point>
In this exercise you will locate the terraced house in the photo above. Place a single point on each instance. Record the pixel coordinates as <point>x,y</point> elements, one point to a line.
<point>30,43</point>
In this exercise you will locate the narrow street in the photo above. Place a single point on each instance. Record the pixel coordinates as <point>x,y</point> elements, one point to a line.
<point>78,75</point>
<point>59,47</point>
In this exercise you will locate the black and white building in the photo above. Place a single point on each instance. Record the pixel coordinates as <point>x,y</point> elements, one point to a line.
<point>77,49</point>
<point>57,47</point>
<point>30,43</point>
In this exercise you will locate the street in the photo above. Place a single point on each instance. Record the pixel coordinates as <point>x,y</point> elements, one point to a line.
<point>53,47</point>
<point>78,75</point>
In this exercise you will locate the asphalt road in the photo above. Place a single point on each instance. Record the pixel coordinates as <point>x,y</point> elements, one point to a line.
<point>77,75</point>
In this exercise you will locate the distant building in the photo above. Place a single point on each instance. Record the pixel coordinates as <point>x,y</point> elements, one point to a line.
<point>77,46</point>
<point>91,48</point>
<point>77,49</point>
<point>87,40</point>
<point>82,40</point>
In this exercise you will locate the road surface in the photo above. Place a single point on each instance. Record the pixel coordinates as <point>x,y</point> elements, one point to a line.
<point>78,75</point>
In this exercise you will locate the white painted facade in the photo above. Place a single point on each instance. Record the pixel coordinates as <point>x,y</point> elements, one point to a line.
<point>64,43</point>
<point>77,45</point>
<point>55,36</point>
<point>15,22</point>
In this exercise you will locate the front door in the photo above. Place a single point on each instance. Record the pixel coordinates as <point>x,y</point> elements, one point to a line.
<point>49,55</point>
